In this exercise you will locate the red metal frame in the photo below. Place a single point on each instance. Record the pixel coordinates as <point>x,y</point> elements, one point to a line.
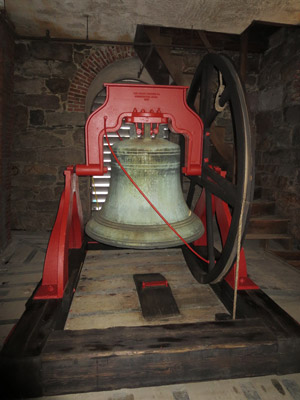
<point>137,104</point>
<point>221,210</point>
<point>67,234</point>
<point>143,104</point>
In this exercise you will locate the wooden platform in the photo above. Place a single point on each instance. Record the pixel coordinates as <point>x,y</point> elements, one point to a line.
<point>106,295</point>
<point>106,344</point>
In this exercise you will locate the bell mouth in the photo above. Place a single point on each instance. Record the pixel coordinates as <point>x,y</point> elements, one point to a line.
<point>143,236</point>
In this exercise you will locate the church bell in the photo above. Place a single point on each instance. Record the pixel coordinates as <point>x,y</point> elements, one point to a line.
<point>126,218</point>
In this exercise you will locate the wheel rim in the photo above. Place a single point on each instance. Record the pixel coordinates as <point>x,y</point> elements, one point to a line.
<point>241,186</point>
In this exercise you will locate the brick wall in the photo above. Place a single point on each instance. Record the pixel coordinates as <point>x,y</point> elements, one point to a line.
<point>51,83</point>
<point>6,126</point>
<point>278,126</point>
<point>88,70</point>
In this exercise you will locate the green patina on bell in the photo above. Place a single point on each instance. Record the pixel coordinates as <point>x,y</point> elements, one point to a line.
<point>126,218</point>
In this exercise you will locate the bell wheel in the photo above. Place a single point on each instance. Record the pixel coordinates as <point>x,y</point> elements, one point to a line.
<point>217,96</point>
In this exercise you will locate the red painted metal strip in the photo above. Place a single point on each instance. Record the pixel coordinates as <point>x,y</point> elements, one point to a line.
<point>155,283</point>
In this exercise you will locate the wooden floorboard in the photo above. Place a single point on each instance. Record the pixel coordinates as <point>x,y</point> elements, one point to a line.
<point>106,294</point>
<point>20,271</point>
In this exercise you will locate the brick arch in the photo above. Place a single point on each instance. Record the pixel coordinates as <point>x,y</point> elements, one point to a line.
<point>89,69</point>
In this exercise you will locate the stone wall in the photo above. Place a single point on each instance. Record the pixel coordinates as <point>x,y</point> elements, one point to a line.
<point>278,126</point>
<point>6,125</point>
<point>51,82</point>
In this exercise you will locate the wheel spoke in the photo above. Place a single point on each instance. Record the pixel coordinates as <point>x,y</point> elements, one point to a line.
<point>222,182</point>
<point>191,193</point>
<point>209,230</point>
<point>228,196</point>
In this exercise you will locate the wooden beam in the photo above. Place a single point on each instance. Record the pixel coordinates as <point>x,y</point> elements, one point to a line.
<point>90,360</point>
<point>150,58</point>
<point>174,64</point>
<point>243,55</point>
<point>205,41</point>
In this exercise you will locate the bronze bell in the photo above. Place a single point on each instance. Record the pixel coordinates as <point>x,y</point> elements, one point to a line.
<point>126,218</point>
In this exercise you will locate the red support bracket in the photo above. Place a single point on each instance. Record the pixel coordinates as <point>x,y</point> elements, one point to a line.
<point>224,220</point>
<point>67,234</point>
<point>142,104</point>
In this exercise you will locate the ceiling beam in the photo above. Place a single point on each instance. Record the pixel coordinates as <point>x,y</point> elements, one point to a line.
<point>205,41</point>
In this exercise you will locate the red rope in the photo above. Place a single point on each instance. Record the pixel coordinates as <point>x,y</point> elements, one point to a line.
<point>146,198</point>
<point>117,134</point>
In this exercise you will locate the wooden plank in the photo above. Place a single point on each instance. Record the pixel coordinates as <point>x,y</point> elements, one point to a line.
<point>21,278</point>
<point>173,63</point>
<point>270,236</point>
<point>288,300</point>
<point>123,269</point>
<point>150,58</point>
<point>16,292</point>
<point>142,340</point>
<point>16,269</point>
<point>268,225</point>
<point>12,309</point>
<point>205,41</point>
<point>128,300</point>
<point>294,263</point>
<point>156,299</point>
<point>106,294</point>
<point>134,257</point>
<point>100,320</point>
<point>261,207</point>
<point>40,317</point>
<point>287,254</point>
<point>75,361</point>
<point>123,284</point>
<point>99,310</point>
<point>21,253</point>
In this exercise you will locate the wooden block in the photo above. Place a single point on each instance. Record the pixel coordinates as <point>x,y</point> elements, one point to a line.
<point>78,361</point>
<point>155,296</point>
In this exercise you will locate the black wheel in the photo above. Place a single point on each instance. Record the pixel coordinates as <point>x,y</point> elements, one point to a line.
<point>226,107</point>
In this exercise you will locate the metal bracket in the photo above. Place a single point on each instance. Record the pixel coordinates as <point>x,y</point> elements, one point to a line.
<point>123,101</point>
